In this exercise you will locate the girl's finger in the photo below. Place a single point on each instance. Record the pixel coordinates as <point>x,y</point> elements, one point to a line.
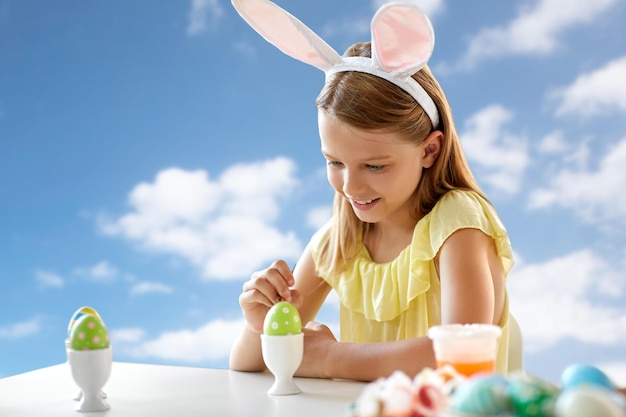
<point>252,297</point>
<point>279,274</point>
<point>264,287</point>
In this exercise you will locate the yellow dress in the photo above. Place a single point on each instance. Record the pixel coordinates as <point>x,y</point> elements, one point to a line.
<point>401,299</point>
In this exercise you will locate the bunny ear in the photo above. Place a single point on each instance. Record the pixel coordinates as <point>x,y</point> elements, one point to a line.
<point>402,39</point>
<point>402,42</point>
<point>287,33</point>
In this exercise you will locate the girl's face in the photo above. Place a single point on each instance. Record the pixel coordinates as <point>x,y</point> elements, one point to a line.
<point>376,172</point>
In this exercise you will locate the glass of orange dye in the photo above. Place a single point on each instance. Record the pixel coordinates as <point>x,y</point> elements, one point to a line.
<point>468,348</point>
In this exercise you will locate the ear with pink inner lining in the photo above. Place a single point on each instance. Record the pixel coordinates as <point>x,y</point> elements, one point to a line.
<point>287,33</point>
<point>403,39</point>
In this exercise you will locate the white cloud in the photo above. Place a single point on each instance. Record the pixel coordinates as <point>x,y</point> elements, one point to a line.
<point>499,156</point>
<point>596,196</point>
<point>102,272</point>
<point>318,216</point>
<point>209,342</point>
<point>223,226</point>
<point>202,14</point>
<point>20,330</point>
<point>553,143</point>
<point>127,335</point>
<point>47,279</point>
<point>145,287</point>
<point>535,31</point>
<point>599,92</point>
<point>574,296</point>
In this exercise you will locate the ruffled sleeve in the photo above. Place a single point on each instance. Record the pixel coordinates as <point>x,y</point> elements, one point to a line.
<point>381,292</point>
<point>467,210</point>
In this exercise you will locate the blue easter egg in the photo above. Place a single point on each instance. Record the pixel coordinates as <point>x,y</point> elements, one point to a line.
<point>482,395</point>
<point>584,375</point>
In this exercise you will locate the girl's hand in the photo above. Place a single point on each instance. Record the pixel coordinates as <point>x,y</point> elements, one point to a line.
<point>318,339</point>
<point>264,289</point>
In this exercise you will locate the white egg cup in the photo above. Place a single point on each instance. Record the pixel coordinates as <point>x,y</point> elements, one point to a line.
<point>282,356</point>
<point>79,396</point>
<point>91,370</point>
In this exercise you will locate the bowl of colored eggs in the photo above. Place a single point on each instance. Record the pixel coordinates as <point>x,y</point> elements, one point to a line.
<point>584,391</point>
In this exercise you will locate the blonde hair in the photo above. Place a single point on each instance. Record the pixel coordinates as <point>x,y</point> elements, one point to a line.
<point>369,102</point>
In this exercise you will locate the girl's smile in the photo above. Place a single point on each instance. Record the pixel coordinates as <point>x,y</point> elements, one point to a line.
<point>364,204</point>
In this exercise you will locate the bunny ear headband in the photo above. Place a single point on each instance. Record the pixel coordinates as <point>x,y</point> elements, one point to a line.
<point>402,42</point>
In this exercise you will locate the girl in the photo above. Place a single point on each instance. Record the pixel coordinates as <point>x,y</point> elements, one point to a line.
<point>412,243</point>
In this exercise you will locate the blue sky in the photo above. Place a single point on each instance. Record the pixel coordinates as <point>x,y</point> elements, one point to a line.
<point>154,154</point>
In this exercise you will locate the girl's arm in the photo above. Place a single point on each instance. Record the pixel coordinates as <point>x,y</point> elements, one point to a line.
<point>472,280</point>
<point>265,288</point>
<point>245,354</point>
<point>324,357</point>
<point>472,291</point>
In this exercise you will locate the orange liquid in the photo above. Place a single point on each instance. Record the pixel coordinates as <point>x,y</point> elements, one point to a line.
<point>470,368</point>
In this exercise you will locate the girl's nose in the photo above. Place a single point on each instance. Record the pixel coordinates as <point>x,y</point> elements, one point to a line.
<point>352,183</point>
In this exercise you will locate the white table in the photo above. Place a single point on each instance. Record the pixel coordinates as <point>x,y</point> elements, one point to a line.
<point>137,390</point>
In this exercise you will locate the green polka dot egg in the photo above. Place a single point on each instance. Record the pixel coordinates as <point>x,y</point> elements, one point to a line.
<point>282,319</point>
<point>78,314</point>
<point>89,333</point>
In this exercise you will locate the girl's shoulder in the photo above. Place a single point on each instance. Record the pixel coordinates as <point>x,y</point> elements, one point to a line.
<point>455,210</point>
<point>463,208</point>
<point>462,199</point>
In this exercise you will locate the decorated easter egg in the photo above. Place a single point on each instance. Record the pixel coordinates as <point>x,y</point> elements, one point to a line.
<point>482,395</point>
<point>78,314</point>
<point>428,400</point>
<point>581,374</point>
<point>88,333</point>
<point>587,400</point>
<point>282,319</point>
<point>531,396</point>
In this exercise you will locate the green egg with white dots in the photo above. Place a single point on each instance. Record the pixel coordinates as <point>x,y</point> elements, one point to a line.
<point>89,333</point>
<point>282,319</point>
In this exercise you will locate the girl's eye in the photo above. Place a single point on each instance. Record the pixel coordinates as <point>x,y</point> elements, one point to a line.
<point>334,163</point>
<point>375,167</point>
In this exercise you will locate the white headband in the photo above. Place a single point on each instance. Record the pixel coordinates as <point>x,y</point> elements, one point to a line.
<point>402,42</point>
